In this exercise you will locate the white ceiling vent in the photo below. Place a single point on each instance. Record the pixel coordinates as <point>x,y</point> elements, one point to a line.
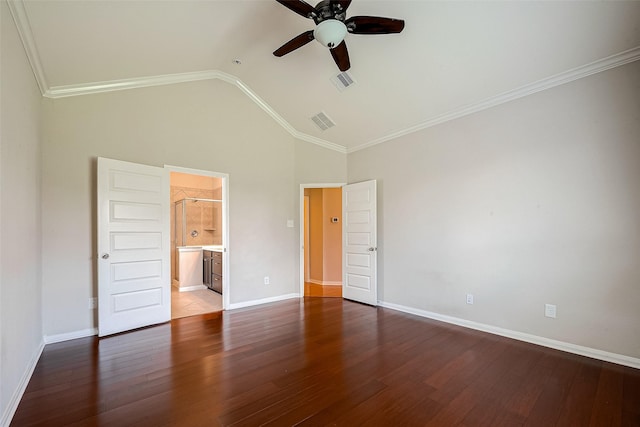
<point>322,121</point>
<point>343,81</point>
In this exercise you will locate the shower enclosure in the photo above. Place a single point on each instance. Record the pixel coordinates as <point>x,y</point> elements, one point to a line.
<point>197,222</point>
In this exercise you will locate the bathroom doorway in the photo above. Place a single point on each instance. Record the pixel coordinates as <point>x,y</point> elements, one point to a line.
<point>198,217</point>
<point>321,237</point>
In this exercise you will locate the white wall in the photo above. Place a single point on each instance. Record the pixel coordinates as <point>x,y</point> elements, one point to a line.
<point>207,125</point>
<point>20,239</point>
<point>532,202</point>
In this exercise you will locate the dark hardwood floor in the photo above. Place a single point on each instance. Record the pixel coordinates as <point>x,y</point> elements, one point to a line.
<point>321,361</point>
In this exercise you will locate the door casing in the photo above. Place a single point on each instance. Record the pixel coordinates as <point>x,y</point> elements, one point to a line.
<point>225,224</point>
<point>302,219</point>
<point>102,248</point>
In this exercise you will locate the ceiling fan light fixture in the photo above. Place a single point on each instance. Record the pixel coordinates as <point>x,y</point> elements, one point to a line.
<point>330,33</point>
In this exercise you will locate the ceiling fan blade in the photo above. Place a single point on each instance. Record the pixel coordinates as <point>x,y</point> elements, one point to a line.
<point>341,56</point>
<point>373,25</point>
<point>343,4</point>
<point>300,7</point>
<point>294,43</point>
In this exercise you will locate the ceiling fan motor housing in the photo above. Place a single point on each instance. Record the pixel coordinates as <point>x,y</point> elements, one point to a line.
<point>324,11</point>
<point>332,27</point>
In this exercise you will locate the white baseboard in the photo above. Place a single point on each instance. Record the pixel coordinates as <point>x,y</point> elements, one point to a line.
<point>234,306</point>
<point>620,359</point>
<point>50,339</point>
<point>14,401</point>
<point>191,288</point>
<point>324,283</point>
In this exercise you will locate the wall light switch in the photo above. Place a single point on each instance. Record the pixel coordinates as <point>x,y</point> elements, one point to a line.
<point>290,223</point>
<point>550,310</point>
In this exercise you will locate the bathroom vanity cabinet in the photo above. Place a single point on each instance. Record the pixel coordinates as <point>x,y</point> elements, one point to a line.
<point>212,269</point>
<point>189,262</point>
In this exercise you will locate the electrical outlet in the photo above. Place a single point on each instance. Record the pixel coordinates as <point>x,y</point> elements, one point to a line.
<point>266,280</point>
<point>469,298</point>
<point>93,303</point>
<point>550,310</point>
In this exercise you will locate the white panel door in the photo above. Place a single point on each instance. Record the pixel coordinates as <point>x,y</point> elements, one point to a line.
<point>359,241</point>
<point>134,272</point>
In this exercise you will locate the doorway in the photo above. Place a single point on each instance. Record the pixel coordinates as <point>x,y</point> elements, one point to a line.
<point>198,230</point>
<point>321,237</point>
<point>134,244</point>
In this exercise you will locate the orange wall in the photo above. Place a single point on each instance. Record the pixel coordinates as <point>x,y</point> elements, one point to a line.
<point>316,236</point>
<point>325,237</point>
<point>332,233</point>
<point>211,185</point>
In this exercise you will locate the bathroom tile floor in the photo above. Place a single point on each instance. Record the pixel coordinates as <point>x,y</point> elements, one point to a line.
<point>191,303</point>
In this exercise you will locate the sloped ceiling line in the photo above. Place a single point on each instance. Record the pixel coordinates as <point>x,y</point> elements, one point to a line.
<point>19,14</point>
<point>135,83</point>
<point>21,20</point>
<point>595,67</point>
<point>22,23</point>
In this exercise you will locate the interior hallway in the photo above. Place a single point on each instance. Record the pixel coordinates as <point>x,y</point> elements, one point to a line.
<point>314,290</point>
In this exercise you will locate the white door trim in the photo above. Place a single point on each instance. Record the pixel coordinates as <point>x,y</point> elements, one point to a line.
<point>305,241</point>
<point>301,224</point>
<point>225,224</point>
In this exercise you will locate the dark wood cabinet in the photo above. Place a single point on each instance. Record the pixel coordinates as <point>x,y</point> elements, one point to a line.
<point>216,271</point>
<point>212,270</point>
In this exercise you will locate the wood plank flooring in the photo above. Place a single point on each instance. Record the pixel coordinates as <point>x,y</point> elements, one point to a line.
<point>321,361</point>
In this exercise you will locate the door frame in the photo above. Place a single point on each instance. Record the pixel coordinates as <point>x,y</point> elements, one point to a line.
<point>225,223</point>
<point>302,219</point>
<point>305,249</point>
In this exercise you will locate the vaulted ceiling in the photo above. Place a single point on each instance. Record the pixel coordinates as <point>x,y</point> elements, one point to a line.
<point>453,57</point>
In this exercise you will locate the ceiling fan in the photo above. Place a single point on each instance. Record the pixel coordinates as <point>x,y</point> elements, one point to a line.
<point>332,27</point>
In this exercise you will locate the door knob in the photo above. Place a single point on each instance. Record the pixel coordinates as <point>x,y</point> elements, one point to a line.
<point>105,256</point>
<point>372,249</point>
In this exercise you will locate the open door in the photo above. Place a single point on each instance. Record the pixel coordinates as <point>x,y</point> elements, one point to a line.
<point>134,272</point>
<point>359,242</point>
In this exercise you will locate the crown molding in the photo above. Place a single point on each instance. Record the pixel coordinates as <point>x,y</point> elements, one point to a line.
<point>133,83</point>
<point>595,67</point>
<point>282,122</point>
<point>19,14</point>
<point>167,79</point>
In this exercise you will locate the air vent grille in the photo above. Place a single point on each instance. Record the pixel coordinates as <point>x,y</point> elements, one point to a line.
<point>343,81</point>
<point>322,121</point>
